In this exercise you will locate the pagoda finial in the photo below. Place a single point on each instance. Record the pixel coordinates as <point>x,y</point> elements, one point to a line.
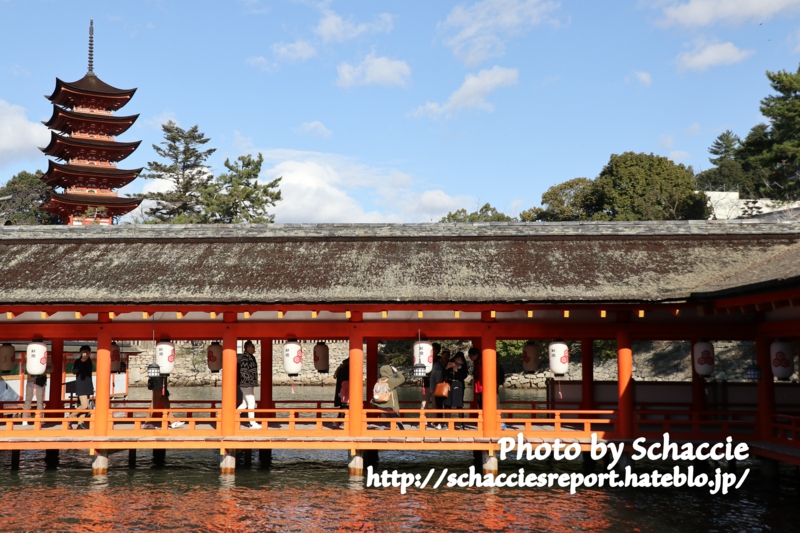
<point>91,46</point>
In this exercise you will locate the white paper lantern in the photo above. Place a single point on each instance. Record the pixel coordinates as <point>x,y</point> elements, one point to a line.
<point>423,355</point>
<point>321,358</point>
<point>214,355</point>
<point>703,358</point>
<point>115,357</point>
<point>530,357</point>
<point>781,356</point>
<point>292,358</point>
<point>7,354</point>
<point>36,359</point>
<point>559,358</point>
<point>165,357</point>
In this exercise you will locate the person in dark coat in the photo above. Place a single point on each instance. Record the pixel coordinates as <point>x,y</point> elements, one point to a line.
<point>395,379</point>
<point>342,375</point>
<point>248,380</point>
<point>456,372</point>
<point>84,387</point>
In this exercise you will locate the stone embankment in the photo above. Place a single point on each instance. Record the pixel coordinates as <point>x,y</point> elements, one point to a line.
<point>652,361</point>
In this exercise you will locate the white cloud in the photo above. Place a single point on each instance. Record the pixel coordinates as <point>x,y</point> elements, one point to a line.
<point>666,141</point>
<point>679,156</point>
<point>694,129</point>
<point>472,93</point>
<point>316,128</point>
<point>794,39</point>
<point>321,187</point>
<point>297,51</point>
<point>19,137</point>
<point>705,56</point>
<point>162,118</point>
<point>374,70</point>
<point>333,28</point>
<point>707,12</point>
<point>261,62</point>
<point>484,27</point>
<point>644,78</point>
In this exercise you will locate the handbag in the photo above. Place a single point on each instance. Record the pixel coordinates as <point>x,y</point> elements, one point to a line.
<point>442,390</point>
<point>344,392</point>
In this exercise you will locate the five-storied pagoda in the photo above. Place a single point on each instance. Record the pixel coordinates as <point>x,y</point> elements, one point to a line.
<point>83,139</point>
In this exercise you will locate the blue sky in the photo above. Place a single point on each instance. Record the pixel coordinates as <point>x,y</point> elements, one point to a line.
<point>400,111</point>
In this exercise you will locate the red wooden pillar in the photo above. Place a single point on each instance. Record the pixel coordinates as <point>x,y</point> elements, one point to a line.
<point>489,382</point>
<point>625,384</point>
<point>228,415</point>
<point>266,401</point>
<point>102,396</point>
<point>356,410</point>
<point>766,388</point>
<point>372,363</point>
<point>57,356</point>
<point>698,385</point>
<point>587,374</point>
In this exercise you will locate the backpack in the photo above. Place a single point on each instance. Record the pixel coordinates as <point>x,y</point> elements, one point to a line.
<point>381,393</point>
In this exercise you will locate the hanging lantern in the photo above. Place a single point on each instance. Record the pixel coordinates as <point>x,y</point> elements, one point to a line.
<point>292,357</point>
<point>165,357</point>
<point>559,358</point>
<point>115,357</point>
<point>781,356</point>
<point>7,354</point>
<point>321,358</point>
<point>215,357</point>
<point>36,359</point>
<point>423,355</point>
<point>703,358</point>
<point>530,357</point>
<point>419,371</point>
<point>752,372</point>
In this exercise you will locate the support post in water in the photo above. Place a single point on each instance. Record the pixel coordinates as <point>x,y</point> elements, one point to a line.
<point>356,466</point>
<point>265,458</point>
<point>228,464</point>
<point>100,464</point>
<point>51,458</point>
<point>132,458</point>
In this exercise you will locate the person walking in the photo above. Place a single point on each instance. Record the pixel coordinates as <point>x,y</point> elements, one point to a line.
<point>426,398</point>
<point>456,372</point>
<point>84,387</point>
<point>438,376</point>
<point>248,380</point>
<point>34,386</point>
<point>341,395</point>
<point>393,379</point>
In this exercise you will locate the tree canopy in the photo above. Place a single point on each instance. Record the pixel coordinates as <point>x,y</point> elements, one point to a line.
<point>563,202</point>
<point>28,192</point>
<point>185,170</point>
<point>487,213</point>
<point>237,196</point>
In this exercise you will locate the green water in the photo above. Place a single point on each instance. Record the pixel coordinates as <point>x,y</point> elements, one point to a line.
<point>308,491</point>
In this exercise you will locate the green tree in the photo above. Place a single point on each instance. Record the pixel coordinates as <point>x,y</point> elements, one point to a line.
<point>487,213</point>
<point>724,147</point>
<point>28,192</point>
<point>237,196</point>
<point>187,173</point>
<point>729,175</point>
<point>775,147</point>
<point>646,187</point>
<point>563,202</point>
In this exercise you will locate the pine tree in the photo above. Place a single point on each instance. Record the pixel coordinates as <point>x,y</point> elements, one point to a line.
<point>237,196</point>
<point>724,147</point>
<point>487,213</point>
<point>185,170</point>
<point>28,192</point>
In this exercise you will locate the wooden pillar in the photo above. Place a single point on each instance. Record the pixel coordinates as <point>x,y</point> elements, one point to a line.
<point>102,396</point>
<point>266,401</point>
<point>356,465</point>
<point>132,458</point>
<point>489,382</point>
<point>51,458</point>
<point>356,409</point>
<point>14,460</point>
<point>228,381</point>
<point>265,458</point>
<point>698,384</point>
<point>766,388</point>
<point>100,464</point>
<point>372,363</point>
<point>625,384</point>
<point>587,374</point>
<point>228,464</point>
<point>57,356</point>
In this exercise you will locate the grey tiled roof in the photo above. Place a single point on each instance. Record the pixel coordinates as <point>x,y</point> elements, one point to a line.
<point>408,263</point>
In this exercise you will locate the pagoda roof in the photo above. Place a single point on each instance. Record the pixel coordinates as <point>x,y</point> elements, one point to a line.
<point>520,263</point>
<point>89,85</point>
<point>68,203</point>
<point>62,118</point>
<point>64,147</point>
<point>62,175</point>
